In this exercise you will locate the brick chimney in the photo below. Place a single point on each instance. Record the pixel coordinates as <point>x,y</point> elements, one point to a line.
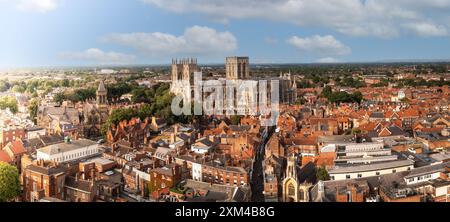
<point>93,176</point>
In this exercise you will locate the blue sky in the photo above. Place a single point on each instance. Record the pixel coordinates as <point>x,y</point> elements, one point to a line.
<point>108,32</point>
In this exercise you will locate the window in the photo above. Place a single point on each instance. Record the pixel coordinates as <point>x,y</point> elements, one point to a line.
<point>302,195</point>
<point>359,175</point>
<point>394,171</point>
<point>377,173</point>
<point>291,190</point>
<point>348,176</point>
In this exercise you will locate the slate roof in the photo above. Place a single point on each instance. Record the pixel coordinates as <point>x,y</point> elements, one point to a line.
<point>46,170</point>
<point>377,115</point>
<point>80,185</point>
<point>427,169</point>
<point>307,174</point>
<point>65,147</point>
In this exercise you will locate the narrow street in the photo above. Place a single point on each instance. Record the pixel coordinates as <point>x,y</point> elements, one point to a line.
<point>257,174</point>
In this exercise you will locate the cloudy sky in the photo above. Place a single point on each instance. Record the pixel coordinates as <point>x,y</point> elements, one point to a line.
<point>103,32</point>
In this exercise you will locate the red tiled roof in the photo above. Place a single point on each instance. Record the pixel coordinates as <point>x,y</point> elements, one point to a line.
<point>409,113</point>
<point>4,157</point>
<point>429,130</point>
<point>17,147</point>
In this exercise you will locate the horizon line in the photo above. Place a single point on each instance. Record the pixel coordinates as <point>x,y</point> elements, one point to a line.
<point>386,61</point>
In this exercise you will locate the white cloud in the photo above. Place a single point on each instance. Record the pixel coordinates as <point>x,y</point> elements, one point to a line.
<point>196,40</point>
<point>97,55</point>
<point>41,6</point>
<point>327,60</point>
<point>427,29</point>
<point>322,45</point>
<point>381,18</point>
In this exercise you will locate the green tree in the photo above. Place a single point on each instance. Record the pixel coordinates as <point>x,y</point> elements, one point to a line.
<point>18,89</point>
<point>327,91</point>
<point>4,85</point>
<point>82,94</point>
<point>59,98</point>
<point>344,97</point>
<point>9,182</point>
<point>322,174</point>
<point>236,120</point>
<point>9,102</point>
<point>33,109</point>
<point>65,83</point>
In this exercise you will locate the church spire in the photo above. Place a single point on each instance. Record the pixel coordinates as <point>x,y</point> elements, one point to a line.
<point>101,87</point>
<point>102,94</point>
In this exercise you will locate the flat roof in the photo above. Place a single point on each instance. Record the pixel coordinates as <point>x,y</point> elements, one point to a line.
<point>372,167</point>
<point>427,170</point>
<point>100,160</point>
<point>66,147</point>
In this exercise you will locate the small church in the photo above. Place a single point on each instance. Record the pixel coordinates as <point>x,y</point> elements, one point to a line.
<point>298,181</point>
<point>95,113</point>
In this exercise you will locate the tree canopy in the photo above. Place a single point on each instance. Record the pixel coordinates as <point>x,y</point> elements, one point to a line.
<point>33,109</point>
<point>322,174</point>
<point>9,182</point>
<point>76,96</point>
<point>344,97</point>
<point>9,102</point>
<point>159,101</point>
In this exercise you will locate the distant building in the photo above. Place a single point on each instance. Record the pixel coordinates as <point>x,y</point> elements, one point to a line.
<point>35,132</point>
<point>10,135</point>
<point>182,70</point>
<point>237,68</point>
<point>48,117</point>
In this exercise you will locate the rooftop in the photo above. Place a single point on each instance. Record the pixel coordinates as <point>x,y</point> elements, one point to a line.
<point>427,169</point>
<point>66,147</point>
<point>371,167</point>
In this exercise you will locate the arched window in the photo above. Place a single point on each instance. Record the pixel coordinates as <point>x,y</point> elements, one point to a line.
<point>302,194</point>
<point>291,190</point>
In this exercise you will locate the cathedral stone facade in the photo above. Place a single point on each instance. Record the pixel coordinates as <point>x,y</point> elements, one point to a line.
<point>182,72</point>
<point>237,68</point>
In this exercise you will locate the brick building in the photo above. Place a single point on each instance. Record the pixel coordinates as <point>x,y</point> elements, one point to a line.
<point>43,179</point>
<point>10,135</point>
